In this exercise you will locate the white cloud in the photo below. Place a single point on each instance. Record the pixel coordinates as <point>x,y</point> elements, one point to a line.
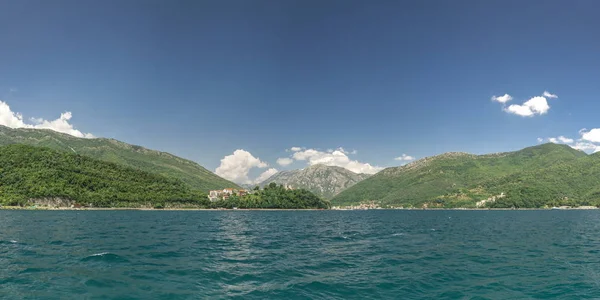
<point>404,157</point>
<point>15,120</point>
<point>236,166</point>
<point>284,161</point>
<point>558,140</point>
<point>265,175</point>
<point>565,140</point>
<point>588,142</point>
<point>502,99</point>
<point>295,149</point>
<point>586,146</point>
<point>549,95</point>
<point>336,157</point>
<point>534,106</point>
<point>591,136</point>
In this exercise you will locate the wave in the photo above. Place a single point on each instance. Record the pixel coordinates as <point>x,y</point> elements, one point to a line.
<point>105,257</point>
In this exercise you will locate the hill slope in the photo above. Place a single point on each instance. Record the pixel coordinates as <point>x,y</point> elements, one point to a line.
<point>28,172</point>
<point>460,179</point>
<point>570,183</point>
<point>111,150</point>
<point>324,181</point>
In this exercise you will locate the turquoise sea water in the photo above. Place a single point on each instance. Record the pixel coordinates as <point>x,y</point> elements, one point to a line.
<point>299,254</point>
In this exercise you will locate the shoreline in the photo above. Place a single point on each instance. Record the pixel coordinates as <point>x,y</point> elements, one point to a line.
<point>278,209</point>
<point>154,209</point>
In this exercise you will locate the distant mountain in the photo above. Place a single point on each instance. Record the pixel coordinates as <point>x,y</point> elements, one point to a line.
<point>324,181</point>
<point>111,150</point>
<point>548,174</point>
<point>247,186</point>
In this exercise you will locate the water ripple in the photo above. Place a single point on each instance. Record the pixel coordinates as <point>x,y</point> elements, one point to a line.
<point>300,255</point>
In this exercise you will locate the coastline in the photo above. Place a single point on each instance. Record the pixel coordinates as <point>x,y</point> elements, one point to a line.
<point>278,209</point>
<point>153,209</point>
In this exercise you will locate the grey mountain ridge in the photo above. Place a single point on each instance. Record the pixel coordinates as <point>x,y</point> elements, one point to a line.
<point>324,181</point>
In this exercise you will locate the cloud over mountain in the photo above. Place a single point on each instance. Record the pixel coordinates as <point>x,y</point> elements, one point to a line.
<point>235,167</point>
<point>338,157</point>
<point>404,157</point>
<point>265,175</point>
<point>588,142</point>
<point>284,161</point>
<point>15,120</point>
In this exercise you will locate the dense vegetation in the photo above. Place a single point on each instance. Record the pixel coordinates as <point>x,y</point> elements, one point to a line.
<point>28,172</point>
<point>114,151</point>
<point>274,196</point>
<point>544,175</point>
<point>31,175</point>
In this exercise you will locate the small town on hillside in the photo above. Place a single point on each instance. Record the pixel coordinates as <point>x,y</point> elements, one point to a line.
<point>224,194</point>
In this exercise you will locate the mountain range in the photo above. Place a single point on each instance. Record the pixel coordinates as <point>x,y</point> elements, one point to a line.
<point>110,150</point>
<point>324,181</point>
<point>538,176</point>
<point>543,175</point>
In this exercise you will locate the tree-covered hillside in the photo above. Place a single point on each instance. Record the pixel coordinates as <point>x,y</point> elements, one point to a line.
<point>275,196</point>
<point>38,175</point>
<point>118,152</point>
<point>28,172</point>
<point>461,180</point>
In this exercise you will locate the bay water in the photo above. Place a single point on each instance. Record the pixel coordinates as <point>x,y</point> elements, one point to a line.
<point>375,254</point>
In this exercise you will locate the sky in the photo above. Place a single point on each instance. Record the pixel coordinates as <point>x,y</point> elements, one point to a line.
<point>249,88</point>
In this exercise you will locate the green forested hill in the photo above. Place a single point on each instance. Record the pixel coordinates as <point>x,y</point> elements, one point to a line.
<point>536,176</point>
<point>28,172</point>
<point>118,152</point>
<point>275,196</point>
<point>563,183</point>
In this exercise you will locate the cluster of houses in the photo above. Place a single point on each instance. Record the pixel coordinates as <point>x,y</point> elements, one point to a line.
<point>225,193</point>
<point>368,205</point>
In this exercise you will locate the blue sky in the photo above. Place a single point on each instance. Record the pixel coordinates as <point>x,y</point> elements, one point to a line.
<point>202,79</point>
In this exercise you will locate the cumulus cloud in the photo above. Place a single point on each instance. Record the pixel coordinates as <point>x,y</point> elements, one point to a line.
<point>591,135</point>
<point>565,140</point>
<point>502,99</point>
<point>295,149</point>
<point>534,106</point>
<point>284,161</point>
<point>404,157</point>
<point>586,146</point>
<point>236,166</point>
<point>589,141</point>
<point>336,157</point>
<point>265,175</point>
<point>558,140</point>
<point>549,95</point>
<point>15,120</point>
